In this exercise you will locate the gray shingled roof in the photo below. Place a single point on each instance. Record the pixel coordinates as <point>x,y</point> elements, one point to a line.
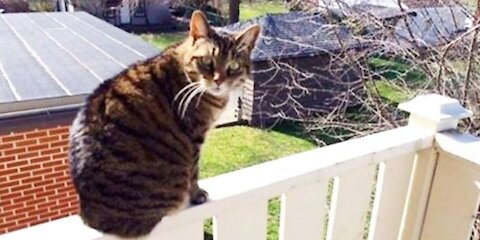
<point>295,34</point>
<point>54,59</point>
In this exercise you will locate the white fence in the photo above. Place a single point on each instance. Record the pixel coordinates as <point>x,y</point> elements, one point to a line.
<point>424,179</point>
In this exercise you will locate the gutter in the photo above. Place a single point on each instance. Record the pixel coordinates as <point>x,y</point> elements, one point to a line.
<point>48,112</point>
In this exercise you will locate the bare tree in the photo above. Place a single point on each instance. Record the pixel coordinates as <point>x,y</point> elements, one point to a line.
<point>234,11</point>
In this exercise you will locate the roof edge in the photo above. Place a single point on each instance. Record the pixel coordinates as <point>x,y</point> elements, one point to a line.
<point>38,107</point>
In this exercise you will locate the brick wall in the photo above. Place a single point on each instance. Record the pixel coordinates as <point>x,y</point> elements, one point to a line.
<point>35,186</point>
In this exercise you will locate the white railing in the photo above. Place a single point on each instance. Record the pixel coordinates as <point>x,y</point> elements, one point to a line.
<point>425,185</point>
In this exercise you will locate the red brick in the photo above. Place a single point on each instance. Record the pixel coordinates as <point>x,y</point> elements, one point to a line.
<point>49,215</point>
<point>8,171</point>
<point>54,175</point>
<point>4,191</point>
<point>57,196</point>
<point>7,225</point>
<point>69,199</point>
<point>11,195</point>
<point>15,151</point>
<point>45,194</point>
<point>52,163</point>
<point>13,138</point>
<point>36,134</point>
<point>17,227</point>
<point>42,171</point>
<point>17,164</point>
<point>27,155</point>
<point>43,183</point>
<point>38,147</point>
<point>21,188</point>
<point>63,179</point>
<point>65,136</point>
<point>59,206</point>
<point>33,191</point>
<point>55,186</point>
<point>28,220</point>
<point>68,188</point>
<point>51,151</point>
<point>40,159</point>
<point>60,143</point>
<point>24,210</point>
<point>19,176</point>
<point>48,139</point>
<point>37,212</point>
<point>32,179</point>
<point>62,168</point>
<point>36,201</point>
<point>57,217</point>
<point>58,131</point>
<point>5,214</point>
<point>7,159</point>
<point>9,184</point>
<point>4,146</point>
<point>29,168</point>
<point>13,206</point>
<point>23,199</point>
<point>15,217</point>
<point>62,155</point>
<point>25,142</point>
<point>39,221</point>
<point>72,210</point>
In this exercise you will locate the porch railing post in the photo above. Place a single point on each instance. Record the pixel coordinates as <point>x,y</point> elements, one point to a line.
<point>434,113</point>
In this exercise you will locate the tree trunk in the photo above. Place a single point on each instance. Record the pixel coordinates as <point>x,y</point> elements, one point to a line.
<point>234,11</point>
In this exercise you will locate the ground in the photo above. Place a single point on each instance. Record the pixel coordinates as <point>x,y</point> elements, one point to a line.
<point>232,148</point>
<point>247,11</point>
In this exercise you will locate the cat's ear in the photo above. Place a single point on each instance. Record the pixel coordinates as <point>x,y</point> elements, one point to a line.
<point>249,37</point>
<point>199,27</point>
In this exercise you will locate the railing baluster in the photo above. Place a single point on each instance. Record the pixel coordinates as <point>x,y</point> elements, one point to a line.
<point>454,199</point>
<point>350,202</point>
<point>303,213</point>
<point>390,197</point>
<point>248,222</point>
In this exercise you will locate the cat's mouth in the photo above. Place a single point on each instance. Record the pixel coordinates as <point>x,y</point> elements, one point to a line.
<point>218,90</point>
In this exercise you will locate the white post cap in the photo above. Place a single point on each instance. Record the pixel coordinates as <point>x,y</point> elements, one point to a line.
<point>435,112</point>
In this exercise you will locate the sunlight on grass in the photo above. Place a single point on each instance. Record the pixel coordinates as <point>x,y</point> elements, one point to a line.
<point>232,148</point>
<point>253,10</point>
<point>163,40</point>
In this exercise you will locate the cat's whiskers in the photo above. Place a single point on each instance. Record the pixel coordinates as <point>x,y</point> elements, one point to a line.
<point>198,90</point>
<point>185,97</point>
<point>190,85</point>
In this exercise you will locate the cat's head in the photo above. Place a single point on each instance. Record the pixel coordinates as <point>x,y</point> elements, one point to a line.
<point>218,62</point>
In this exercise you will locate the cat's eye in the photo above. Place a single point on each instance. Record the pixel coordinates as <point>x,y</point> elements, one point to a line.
<point>234,66</point>
<point>207,61</point>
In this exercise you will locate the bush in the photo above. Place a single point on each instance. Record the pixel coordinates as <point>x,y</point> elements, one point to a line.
<point>11,6</point>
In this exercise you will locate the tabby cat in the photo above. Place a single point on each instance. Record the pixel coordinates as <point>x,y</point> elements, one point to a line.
<point>135,145</point>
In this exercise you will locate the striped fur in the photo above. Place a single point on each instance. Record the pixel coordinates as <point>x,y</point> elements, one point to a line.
<point>135,146</point>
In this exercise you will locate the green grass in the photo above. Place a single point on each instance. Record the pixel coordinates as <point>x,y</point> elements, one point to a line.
<point>247,11</point>
<point>392,72</point>
<point>163,40</point>
<point>253,10</point>
<point>232,148</point>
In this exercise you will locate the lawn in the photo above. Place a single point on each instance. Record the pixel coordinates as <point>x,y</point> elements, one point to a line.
<point>247,11</point>
<point>253,10</point>
<point>232,148</point>
<point>163,40</point>
<point>395,76</point>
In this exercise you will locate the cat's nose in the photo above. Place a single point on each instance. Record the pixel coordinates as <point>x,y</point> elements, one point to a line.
<point>219,81</point>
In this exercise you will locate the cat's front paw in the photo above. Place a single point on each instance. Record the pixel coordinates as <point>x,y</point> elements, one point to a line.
<point>198,197</point>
